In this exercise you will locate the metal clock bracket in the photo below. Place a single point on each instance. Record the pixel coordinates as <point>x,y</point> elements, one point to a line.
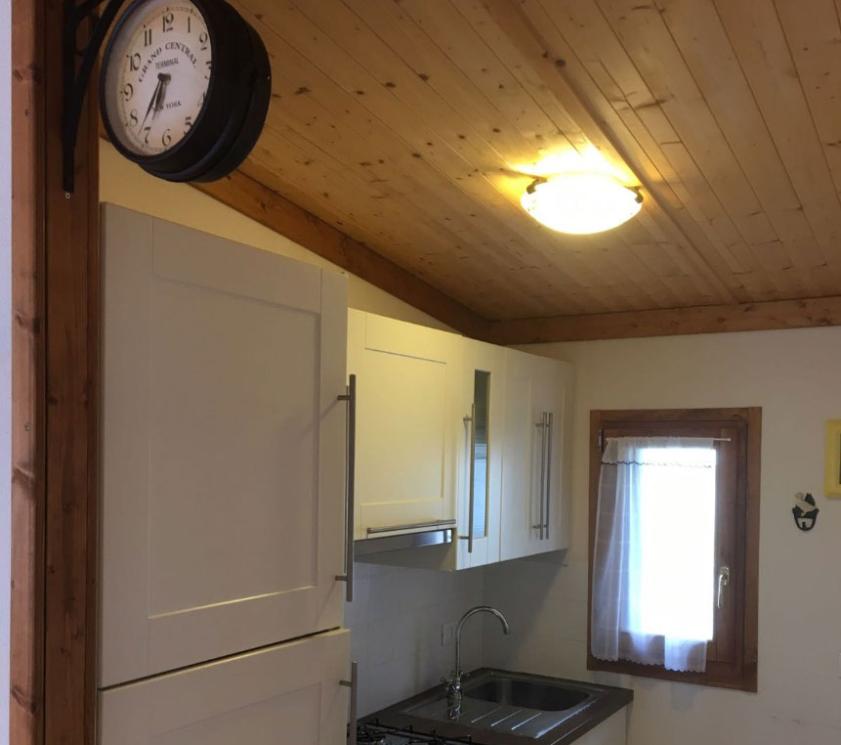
<point>78,66</point>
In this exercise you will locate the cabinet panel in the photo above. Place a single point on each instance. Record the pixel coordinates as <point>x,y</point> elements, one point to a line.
<point>482,413</point>
<point>535,459</point>
<point>286,693</point>
<point>406,394</point>
<point>223,448</point>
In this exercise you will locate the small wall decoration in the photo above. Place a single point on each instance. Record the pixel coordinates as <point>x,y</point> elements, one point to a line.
<point>833,458</point>
<point>805,511</point>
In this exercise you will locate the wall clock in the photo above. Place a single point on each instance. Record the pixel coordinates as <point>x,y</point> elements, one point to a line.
<point>184,88</point>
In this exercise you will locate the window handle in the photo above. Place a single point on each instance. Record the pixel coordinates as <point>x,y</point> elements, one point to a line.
<point>723,581</point>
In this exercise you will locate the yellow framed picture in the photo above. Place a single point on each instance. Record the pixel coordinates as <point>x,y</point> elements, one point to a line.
<point>833,458</point>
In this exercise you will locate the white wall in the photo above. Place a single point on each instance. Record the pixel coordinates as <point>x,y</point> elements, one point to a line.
<point>5,355</point>
<point>123,183</point>
<point>795,376</point>
<point>395,623</point>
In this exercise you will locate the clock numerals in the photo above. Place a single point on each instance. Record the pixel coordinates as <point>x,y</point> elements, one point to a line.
<point>153,119</point>
<point>160,82</point>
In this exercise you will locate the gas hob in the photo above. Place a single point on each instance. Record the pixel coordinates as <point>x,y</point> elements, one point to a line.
<point>379,734</point>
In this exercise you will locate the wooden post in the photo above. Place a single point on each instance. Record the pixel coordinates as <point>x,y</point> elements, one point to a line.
<point>56,391</point>
<point>26,701</point>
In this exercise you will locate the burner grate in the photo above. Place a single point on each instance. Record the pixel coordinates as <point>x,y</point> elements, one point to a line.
<point>375,733</point>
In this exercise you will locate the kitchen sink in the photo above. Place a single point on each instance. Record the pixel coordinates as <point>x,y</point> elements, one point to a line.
<point>528,706</point>
<point>527,694</point>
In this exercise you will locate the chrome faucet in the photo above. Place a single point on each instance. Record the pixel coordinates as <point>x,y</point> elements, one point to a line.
<point>454,692</point>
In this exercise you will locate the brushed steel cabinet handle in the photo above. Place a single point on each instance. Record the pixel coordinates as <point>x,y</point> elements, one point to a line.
<point>354,717</point>
<point>413,527</point>
<point>350,486</point>
<point>541,524</point>
<point>549,421</point>
<point>471,477</point>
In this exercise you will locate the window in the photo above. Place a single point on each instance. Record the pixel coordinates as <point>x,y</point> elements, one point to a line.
<point>674,534</point>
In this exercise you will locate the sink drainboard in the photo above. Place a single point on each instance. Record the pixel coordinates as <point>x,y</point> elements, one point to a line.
<point>508,704</point>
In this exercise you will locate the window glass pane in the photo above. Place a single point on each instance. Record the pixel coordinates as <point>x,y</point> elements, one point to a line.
<point>673,543</point>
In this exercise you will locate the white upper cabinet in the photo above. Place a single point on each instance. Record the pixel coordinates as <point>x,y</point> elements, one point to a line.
<point>407,393</point>
<point>289,693</point>
<point>457,433</point>
<point>479,481</point>
<point>223,449</point>
<point>535,456</point>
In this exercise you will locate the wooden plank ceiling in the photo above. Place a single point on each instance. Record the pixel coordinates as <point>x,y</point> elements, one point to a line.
<point>411,126</point>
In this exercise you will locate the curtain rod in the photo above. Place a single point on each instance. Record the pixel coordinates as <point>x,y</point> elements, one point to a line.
<point>691,437</point>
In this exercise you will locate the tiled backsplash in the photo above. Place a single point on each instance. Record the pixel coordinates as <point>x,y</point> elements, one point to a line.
<point>396,621</point>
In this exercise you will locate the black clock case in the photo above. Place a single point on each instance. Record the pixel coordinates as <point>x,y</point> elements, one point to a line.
<point>235,108</point>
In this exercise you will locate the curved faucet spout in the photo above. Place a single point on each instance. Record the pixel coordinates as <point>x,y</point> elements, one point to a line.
<point>454,694</point>
<point>469,614</point>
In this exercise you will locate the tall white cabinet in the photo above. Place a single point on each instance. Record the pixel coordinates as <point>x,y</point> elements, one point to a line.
<point>222,516</point>
<point>289,693</point>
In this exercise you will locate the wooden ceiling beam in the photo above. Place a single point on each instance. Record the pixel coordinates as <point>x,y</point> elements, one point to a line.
<point>710,319</point>
<point>277,213</point>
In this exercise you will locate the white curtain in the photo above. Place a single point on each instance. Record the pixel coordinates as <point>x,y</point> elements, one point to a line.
<point>654,553</point>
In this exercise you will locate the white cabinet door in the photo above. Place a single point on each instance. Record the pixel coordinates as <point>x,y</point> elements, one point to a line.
<point>223,448</point>
<point>407,388</point>
<point>535,458</point>
<point>290,693</point>
<point>479,451</point>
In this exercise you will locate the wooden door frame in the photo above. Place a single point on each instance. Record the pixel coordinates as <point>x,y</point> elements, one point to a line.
<point>55,392</point>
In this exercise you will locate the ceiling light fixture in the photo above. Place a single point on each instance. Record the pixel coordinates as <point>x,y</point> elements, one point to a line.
<point>581,202</point>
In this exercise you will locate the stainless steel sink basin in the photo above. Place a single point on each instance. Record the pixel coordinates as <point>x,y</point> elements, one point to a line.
<point>526,694</point>
<point>514,703</point>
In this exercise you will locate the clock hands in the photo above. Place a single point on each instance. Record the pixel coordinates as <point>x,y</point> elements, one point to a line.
<point>151,103</point>
<point>156,103</point>
<point>163,79</point>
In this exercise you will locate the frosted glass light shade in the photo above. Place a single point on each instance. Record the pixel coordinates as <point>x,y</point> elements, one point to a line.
<point>581,203</point>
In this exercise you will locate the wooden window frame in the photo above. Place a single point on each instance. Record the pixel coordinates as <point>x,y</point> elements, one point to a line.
<point>742,674</point>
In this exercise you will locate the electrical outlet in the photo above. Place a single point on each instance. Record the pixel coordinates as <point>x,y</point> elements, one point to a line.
<point>448,631</point>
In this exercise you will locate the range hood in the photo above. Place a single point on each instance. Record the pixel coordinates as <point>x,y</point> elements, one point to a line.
<point>401,537</point>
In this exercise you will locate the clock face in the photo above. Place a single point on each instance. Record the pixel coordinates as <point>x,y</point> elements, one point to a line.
<point>158,75</point>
